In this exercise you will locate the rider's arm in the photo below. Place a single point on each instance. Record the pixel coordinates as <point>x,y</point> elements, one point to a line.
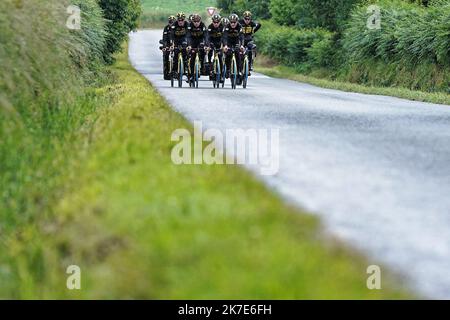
<point>172,35</point>
<point>205,36</point>
<point>166,36</point>
<point>189,36</point>
<point>241,36</point>
<point>257,27</point>
<point>208,37</point>
<point>225,37</point>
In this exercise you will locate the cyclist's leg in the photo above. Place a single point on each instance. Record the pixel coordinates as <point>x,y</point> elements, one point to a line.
<point>166,64</point>
<point>220,60</point>
<point>228,56</point>
<point>176,52</point>
<point>211,59</point>
<point>202,55</point>
<point>185,59</point>
<point>239,60</point>
<point>250,55</point>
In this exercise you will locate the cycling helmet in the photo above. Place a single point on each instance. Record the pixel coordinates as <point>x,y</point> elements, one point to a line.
<point>225,21</point>
<point>247,14</point>
<point>234,18</point>
<point>196,18</point>
<point>172,19</point>
<point>181,16</point>
<point>216,18</point>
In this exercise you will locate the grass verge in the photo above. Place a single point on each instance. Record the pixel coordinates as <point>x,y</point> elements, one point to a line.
<point>267,66</point>
<point>140,227</point>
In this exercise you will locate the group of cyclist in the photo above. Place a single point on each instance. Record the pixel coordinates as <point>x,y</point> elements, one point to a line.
<point>223,36</point>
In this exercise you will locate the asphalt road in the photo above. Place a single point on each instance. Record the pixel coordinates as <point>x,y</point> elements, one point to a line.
<point>376,169</point>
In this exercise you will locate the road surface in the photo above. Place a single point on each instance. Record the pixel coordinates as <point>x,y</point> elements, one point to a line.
<point>376,169</point>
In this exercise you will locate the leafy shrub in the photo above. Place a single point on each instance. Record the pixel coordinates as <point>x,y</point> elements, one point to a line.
<point>259,8</point>
<point>293,46</point>
<point>284,12</point>
<point>122,17</point>
<point>328,14</point>
<point>322,53</point>
<point>413,43</point>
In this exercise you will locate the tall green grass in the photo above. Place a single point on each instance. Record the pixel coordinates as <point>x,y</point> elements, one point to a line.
<point>44,103</point>
<point>411,49</point>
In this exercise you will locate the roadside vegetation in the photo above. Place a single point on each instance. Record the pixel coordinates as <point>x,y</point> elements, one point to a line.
<point>330,40</point>
<point>86,179</point>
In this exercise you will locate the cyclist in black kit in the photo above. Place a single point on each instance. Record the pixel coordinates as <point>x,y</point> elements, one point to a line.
<point>215,34</point>
<point>233,38</point>
<point>179,38</point>
<point>197,36</point>
<point>249,28</point>
<point>166,45</point>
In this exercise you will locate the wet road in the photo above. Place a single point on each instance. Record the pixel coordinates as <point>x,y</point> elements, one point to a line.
<point>376,169</point>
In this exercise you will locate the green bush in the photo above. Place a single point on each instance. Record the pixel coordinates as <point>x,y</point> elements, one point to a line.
<point>122,17</point>
<point>259,8</point>
<point>328,14</point>
<point>284,12</point>
<point>322,53</point>
<point>295,47</point>
<point>413,42</point>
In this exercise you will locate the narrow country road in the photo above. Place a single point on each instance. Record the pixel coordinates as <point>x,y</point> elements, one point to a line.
<point>376,169</point>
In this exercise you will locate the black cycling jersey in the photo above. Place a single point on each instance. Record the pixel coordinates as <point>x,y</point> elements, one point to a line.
<point>233,36</point>
<point>166,35</point>
<point>179,34</point>
<point>196,35</point>
<point>215,35</point>
<point>249,30</point>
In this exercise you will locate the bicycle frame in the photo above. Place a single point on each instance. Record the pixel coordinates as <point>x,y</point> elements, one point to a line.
<point>245,70</point>
<point>196,74</point>
<point>217,72</point>
<point>180,67</point>
<point>234,69</point>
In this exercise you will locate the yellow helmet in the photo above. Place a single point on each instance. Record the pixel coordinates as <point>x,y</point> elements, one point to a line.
<point>247,14</point>
<point>181,16</point>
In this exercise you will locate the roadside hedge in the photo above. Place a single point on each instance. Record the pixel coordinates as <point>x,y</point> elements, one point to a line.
<point>47,82</point>
<point>296,47</point>
<point>121,16</point>
<point>413,42</point>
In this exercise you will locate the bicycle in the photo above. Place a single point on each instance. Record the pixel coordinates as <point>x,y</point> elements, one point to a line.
<point>180,66</point>
<point>194,74</point>
<point>234,72</point>
<point>216,72</point>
